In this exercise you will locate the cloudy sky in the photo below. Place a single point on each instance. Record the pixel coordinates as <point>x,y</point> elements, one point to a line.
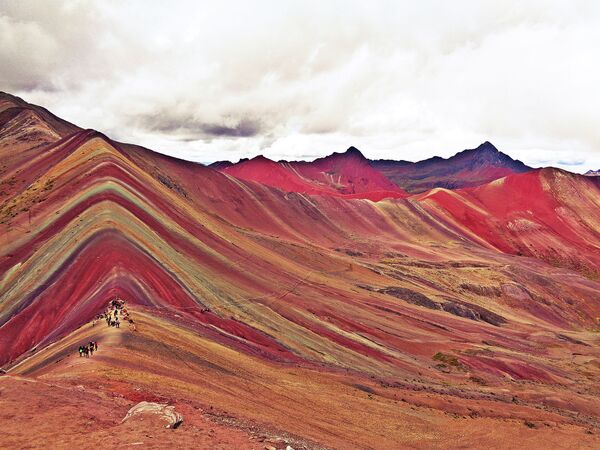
<point>298,80</point>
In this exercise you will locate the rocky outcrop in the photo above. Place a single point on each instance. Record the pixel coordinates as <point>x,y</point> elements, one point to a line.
<point>410,296</point>
<point>452,306</point>
<point>473,312</point>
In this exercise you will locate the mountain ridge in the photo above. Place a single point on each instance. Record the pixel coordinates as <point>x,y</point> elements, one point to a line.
<point>466,168</point>
<point>346,174</point>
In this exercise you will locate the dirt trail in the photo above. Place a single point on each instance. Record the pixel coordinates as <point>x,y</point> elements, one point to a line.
<point>53,407</point>
<point>65,351</point>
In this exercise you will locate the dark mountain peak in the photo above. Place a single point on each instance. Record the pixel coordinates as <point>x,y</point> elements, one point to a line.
<point>350,153</point>
<point>471,167</point>
<point>354,151</point>
<point>487,150</point>
<point>11,105</point>
<point>592,173</point>
<point>258,158</point>
<point>487,154</point>
<point>218,165</point>
<point>488,147</point>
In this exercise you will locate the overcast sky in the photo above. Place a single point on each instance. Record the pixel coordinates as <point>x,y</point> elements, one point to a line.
<point>298,80</point>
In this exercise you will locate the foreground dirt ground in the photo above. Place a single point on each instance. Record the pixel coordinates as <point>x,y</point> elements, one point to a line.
<point>39,415</point>
<point>229,400</point>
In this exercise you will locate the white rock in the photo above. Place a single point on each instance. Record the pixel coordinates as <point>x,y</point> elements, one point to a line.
<point>167,412</point>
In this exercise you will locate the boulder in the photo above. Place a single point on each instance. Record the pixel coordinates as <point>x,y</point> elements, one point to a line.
<point>166,412</point>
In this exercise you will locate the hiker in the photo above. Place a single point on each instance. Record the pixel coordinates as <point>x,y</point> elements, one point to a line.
<point>96,345</point>
<point>118,323</point>
<point>91,349</point>
<point>80,351</point>
<point>86,352</point>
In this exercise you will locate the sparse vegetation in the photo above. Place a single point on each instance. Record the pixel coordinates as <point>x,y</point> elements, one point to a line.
<point>49,185</point>
<point>477,380</point>
<point>169,183</point>
<point>448,361</point>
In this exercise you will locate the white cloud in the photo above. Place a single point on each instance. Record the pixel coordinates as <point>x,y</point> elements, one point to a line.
<point>404,80</point>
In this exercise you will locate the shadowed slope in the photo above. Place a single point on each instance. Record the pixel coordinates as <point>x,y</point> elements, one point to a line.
<point>467,168</point>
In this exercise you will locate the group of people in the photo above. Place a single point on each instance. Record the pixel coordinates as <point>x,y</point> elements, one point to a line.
<point>113,314</point>
<point>88,350</point>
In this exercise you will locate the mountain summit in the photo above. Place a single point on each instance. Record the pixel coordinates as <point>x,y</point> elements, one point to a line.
<point>354,152</point>
<point>488,154</point>
<point>487,146</point>
<point>472,167</point>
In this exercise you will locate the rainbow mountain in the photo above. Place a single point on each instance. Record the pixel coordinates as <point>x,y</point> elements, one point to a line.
<point>317,318</point>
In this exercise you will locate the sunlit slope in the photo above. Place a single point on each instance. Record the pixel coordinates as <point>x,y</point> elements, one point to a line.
<point>549,214</point>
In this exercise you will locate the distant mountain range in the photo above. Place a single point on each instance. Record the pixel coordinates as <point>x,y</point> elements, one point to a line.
<point>593,173</point>
<point>351,174</point>
<point>347,174</point>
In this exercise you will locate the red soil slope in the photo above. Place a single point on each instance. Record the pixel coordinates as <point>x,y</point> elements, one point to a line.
<point>548,213</point>
<point>347,175</point>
